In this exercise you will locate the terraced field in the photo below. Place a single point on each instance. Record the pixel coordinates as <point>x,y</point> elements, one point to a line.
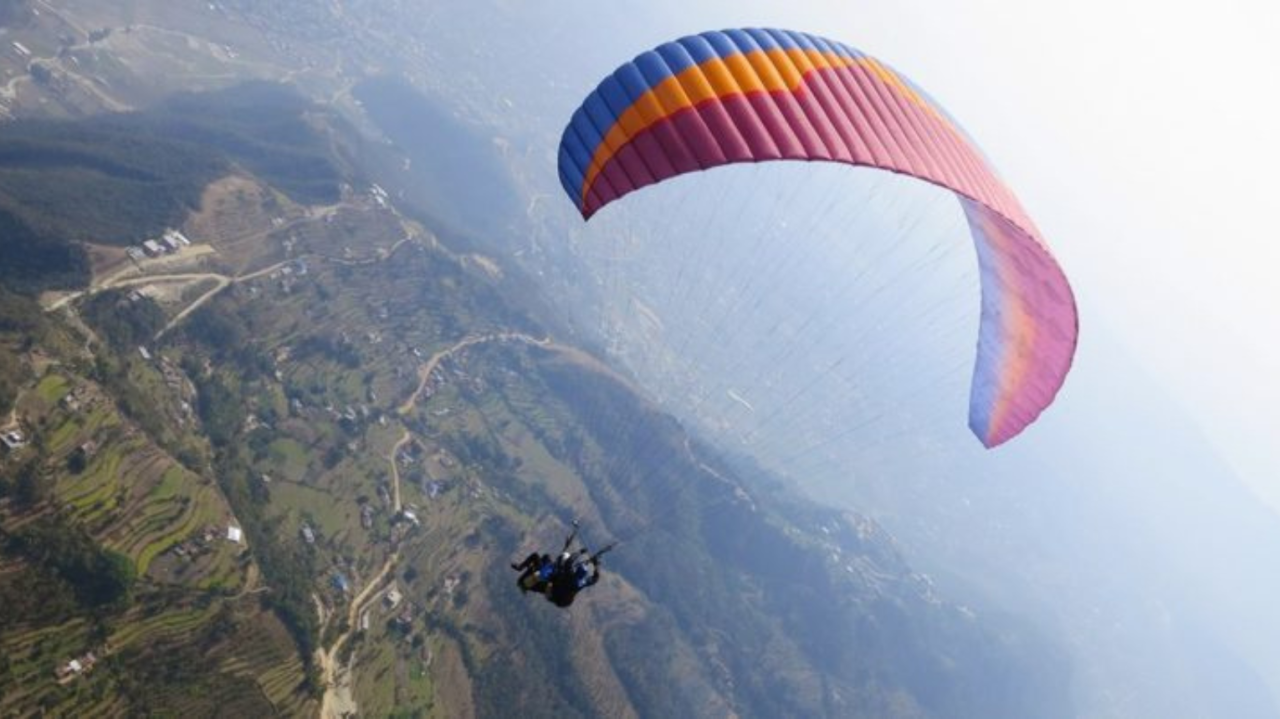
<point>248,668</point>
<point>32,655</point>
<point>111,479</point>
<point>137,500</point>
<point>267,657</point>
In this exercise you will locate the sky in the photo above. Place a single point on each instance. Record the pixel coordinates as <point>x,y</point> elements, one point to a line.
<point>1141,136</point>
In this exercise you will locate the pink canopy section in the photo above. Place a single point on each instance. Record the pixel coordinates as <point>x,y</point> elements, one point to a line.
<point>757,95</point>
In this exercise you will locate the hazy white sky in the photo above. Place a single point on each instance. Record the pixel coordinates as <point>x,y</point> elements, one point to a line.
<point>1144,137</point>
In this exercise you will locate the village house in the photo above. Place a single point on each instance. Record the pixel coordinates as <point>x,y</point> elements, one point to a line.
<point>13,439</point>
<point>74,668</point>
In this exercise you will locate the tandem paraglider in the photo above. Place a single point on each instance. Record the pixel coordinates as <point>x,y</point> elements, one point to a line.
<point>560,579</point>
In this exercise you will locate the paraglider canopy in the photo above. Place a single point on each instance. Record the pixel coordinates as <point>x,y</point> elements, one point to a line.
<point>758,94</point>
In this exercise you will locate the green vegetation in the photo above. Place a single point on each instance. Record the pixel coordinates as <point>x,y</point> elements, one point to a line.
<point>216,329</point>
<point>35,261</point>
<point>288,569</point>
<point>219,408</point>
<point>200,663</point>
<point>99,579</point>
<point>12,375</point>
<point>125,319</point>
<point>52,388</point>
<point>21,326</point>
<point>260,125</point>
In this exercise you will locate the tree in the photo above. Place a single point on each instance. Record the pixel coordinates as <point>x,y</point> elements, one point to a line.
<point>30,486</point>
<point>77,461</point>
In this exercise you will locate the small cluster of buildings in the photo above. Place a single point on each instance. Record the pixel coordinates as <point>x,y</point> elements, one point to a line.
<point>408,515</point>
<point>297,267</point>
<point>403,523</point>
<point>201,542</point>
<point>409,455</point>
<point>13,439</point>
<point>351,415</point>
<point>170,242</point>
<point>74,668</point>
<point>340,583</point>
<point>444,373</point>
<point>393,600</point>
<point>287,276</point>
<point>174,378</point>
<point>84,452</point>
<point>78,399</point>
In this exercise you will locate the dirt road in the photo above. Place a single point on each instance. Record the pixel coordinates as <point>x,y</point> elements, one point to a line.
<point>338,700</point>
<point>424,372</point>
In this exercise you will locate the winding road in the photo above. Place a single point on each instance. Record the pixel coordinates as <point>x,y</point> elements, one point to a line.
<point>338,701</point>
<point>424,372</point>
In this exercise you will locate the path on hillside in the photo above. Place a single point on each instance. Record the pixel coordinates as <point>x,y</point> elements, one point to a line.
<point>224,284</point>
<point>424,372</point>
<point>118,280</point>
<point>338,700</point>
<point>395,469</point>
<point>251,585</point>
<point>126,278</point>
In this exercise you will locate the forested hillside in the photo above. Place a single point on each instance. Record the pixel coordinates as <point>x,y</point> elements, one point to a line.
<point>118,179</point>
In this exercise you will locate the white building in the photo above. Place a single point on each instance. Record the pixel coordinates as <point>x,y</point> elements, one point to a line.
<point>13,439</point>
